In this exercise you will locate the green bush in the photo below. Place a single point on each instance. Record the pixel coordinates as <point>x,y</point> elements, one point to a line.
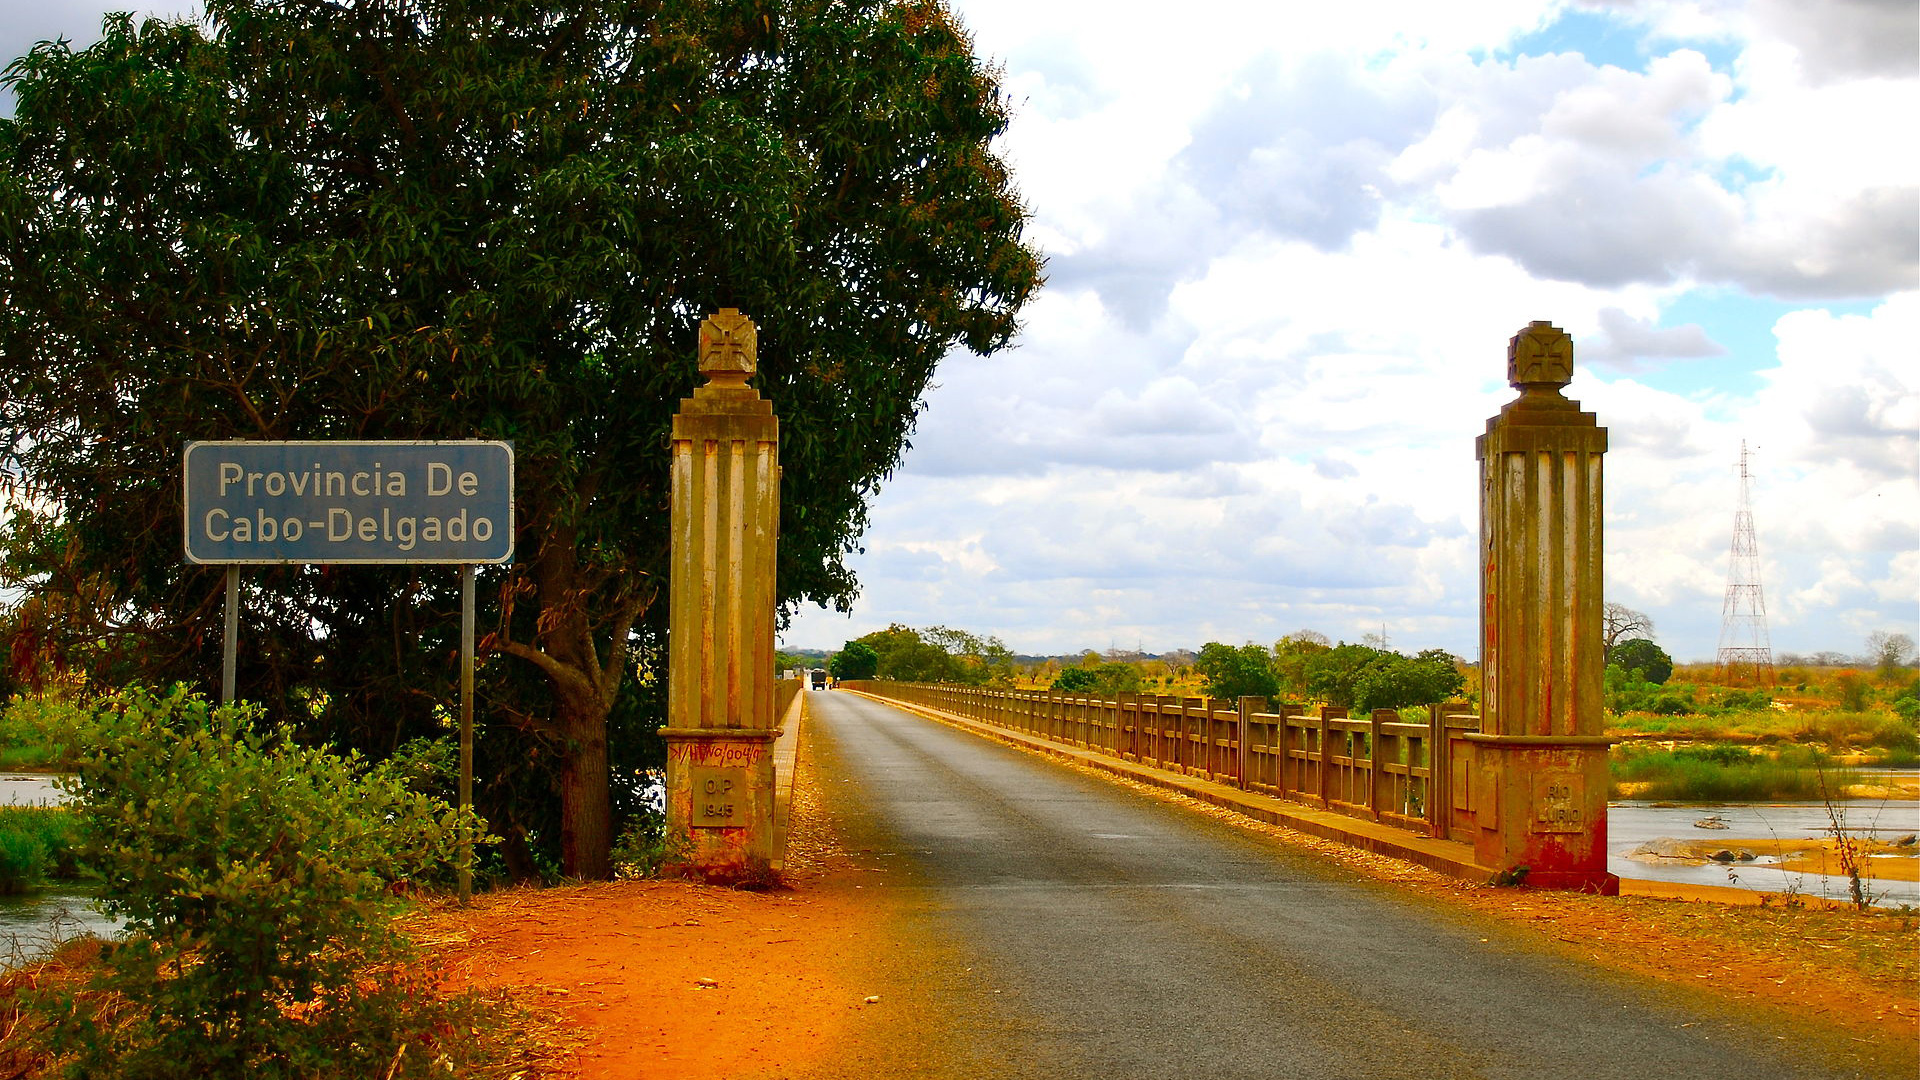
<point>256,879</point>
<point>1075,679</point>
<point>37,730</point>
<point>1850,690</point>
<point>1905,702</point>
<point>1231,673</point>
<point>1392,681</point>
<point>1648,661</point>
<point>1718,773</point>
<point>36,843</point>
<point>23,862</point>
<point>1858,730</point>
<point>1742,701</point>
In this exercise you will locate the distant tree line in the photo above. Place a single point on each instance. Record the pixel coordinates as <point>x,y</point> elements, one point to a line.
<point>938,654</point>
<point>1303,666</point>
<point>1357,677</point>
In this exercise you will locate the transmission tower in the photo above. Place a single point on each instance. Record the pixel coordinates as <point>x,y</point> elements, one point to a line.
<point>1745,654</point>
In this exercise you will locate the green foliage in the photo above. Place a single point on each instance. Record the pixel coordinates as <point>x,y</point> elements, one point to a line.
<point>1905,702</point>
<point>1074,679</point>
<point>1362,678</point>
<point>1858,731</point>
<point>479,218</point>
<point>37,730</point>
<point>1649,661</point>
<point>1851,691</point>
<point>939,654</point>
<point>1718,773</point>
<point>1332,675</point>
<point>1104,680</point>
<point>1731,700</point>
<point>255,876</point>
<point>23,861</point>
<point>1292,659</point>
<point>1231,673</point>
<point>1115,677</point>
<point>643,845</point>
<point>36,843</point>
<point>1392,681</point>
<point>1628,692</point>
<point>855,660</point>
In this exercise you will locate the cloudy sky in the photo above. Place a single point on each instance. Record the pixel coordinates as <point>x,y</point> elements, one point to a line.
<point>1287,244</point>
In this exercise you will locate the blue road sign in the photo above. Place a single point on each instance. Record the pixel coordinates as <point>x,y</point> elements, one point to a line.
<point>349,502</point>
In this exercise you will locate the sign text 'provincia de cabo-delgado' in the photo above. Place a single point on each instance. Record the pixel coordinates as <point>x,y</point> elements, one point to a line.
<point>349,502</point>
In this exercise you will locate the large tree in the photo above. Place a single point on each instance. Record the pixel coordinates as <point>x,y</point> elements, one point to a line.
<point>1619,623</point>
<point>482,218</point>
<point>1232,673</point>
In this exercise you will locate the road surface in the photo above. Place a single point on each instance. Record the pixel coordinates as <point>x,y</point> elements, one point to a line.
<point>1092,932</point>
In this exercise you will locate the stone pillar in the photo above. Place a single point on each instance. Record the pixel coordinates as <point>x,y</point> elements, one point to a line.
<point>720,695</point>
<point>1540,788</point>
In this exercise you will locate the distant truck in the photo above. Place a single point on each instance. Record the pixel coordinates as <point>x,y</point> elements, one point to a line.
<point>817,678</point>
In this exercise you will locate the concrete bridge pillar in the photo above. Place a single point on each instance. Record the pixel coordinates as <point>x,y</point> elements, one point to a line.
<point>1540,788</point>
<point>720,694</point>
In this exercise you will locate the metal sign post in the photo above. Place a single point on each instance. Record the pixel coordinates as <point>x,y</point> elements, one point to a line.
<point>378,503</point>
<point>466,729</point>
<point>227,664</point>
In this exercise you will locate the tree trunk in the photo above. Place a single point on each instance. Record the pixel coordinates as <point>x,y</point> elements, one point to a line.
<point>584,684</point>
<point>586,808</point>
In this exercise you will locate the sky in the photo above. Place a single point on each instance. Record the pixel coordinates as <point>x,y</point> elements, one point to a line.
<point>1286,246</point>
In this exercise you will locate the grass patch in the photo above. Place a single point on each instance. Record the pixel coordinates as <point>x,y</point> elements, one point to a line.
<point>36,843</point>
<point>30,757</point>
<point>1716,773</point>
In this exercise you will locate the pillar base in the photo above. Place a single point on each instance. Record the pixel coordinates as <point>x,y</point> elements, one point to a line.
<point>720,802</point>
<point>1541,804</point>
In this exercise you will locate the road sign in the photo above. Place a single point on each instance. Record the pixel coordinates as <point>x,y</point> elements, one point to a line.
<point>349,502</point>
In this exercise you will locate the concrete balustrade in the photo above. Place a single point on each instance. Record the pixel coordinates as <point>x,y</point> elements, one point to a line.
<point>1381,767</point>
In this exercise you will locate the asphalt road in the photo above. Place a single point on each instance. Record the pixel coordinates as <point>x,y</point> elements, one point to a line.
<point>1098,933</point>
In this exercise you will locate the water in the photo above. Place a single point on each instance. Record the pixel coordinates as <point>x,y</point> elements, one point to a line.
<point>1630,824</point>
<point>32,924</point>
<point>29,789</point>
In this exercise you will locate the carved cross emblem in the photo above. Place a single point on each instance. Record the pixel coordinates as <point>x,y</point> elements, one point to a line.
<point>728,347</point>
<point>1540,356</point>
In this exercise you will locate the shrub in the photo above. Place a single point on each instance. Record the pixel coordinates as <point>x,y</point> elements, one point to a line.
<point>1858,729</point>
<point>1644,657</point>
<point>1850,690</point>
<point>1906,701</point>
<point>36,843</point>
<point>1742,701</point>
<point>38,730</point>
<point>1075,680</point>
<point>1717,773</point>
<point>23,862</point>
<point>1393,681</point>
<point>1232,673</point>
<point>255,876</point>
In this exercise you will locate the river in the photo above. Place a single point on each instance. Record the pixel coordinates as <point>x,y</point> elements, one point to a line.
<point>1630,824</point>
<point>31,925</point>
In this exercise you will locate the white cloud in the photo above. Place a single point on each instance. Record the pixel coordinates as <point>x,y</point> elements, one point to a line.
<point>1627,343</point>
<point>1288,247</point>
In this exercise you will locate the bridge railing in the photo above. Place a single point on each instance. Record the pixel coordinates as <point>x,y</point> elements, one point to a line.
<point>1413,775</point>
